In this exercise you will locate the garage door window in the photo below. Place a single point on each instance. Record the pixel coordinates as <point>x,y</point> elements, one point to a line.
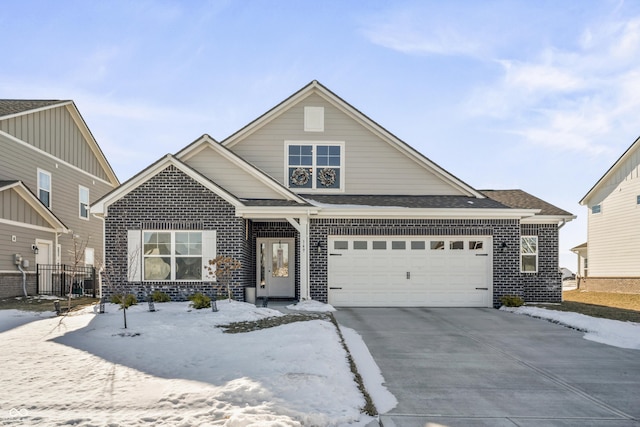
<point>378,245</point>
<point>475,245</point>
<point>456,245</point>
<point>360,245</point>
<point>418,245</point>
<point>398,245</point>
<point>340,244</point>
<point>437,245</point>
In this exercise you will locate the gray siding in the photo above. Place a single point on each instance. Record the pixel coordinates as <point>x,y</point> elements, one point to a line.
<point>372,166</point>
<point>25,237</point>
<point>55,132</point>
<point>22,163</point>
<point>230,177</point>
<point>14,208</point>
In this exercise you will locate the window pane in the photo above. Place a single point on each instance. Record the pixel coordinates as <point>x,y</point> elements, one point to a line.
<point>418,245</point>
<point>44,198</point>
<point>475,245</point>
<point>437,245</point>
<point>529,263</point>
<point>300,177</point>
<point>456,245</point>
<point>157,268</point>
<point>595,209</point>
<point>44,181</point>
<point>529,245</point>
<point>280,260</point>
<point>189,268</point>
<point>328,155</point>
<point>329,178</point>
<point>360,245</point>
<point>340,245</point>
<point>157,243</point>
<point>323,150</point>
<point>84,212</point>
<point>398,245</point>
<point>300,155</point>
<point>379,245</point>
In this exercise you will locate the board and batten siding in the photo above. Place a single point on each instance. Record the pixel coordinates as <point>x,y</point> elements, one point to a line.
<point>230,176</point>
<point>54,131</point>
<point>14,208</point>
<point>372,166</point>
<point>613,234</point>
<point>18,162</point>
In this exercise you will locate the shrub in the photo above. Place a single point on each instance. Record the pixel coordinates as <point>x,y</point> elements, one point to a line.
<point>159,296</point>
<point>127,301</point>
<point>511,301</point>
<point>199,301</point>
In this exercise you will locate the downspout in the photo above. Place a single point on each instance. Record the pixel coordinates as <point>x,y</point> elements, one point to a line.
<point>24,279</point>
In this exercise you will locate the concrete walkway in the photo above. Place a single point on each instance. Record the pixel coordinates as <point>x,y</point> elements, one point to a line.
<point>484,367</point>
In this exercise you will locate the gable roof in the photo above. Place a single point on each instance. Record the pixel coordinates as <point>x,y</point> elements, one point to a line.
<point>35,203</point>
<point>207,141</point>
<point>611,171</point>
<point>519,199</point>
<point>16,107</point>
<point>354,113</point>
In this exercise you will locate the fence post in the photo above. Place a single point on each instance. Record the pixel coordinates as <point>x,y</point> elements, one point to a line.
<point>37,279</point>
<point>63,281</point>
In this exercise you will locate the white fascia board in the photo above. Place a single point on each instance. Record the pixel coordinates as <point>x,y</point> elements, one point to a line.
<point>548,219</point>
<point>274,212</point>
<point>101,206</point>
<point>426,213</point>
<point>229,155</point>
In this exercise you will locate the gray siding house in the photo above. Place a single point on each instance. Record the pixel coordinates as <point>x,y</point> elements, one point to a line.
<point>51,170</point>
<point>318,201</point>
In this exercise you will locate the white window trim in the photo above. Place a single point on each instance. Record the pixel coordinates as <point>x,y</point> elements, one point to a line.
<point>80,188</point>
<point>42,171</point>
<point>314,144</point>
<point>537,254</point>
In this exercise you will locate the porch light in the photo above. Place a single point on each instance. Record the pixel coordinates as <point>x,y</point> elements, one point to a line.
<point>34,248</point>
<point>319,247</point>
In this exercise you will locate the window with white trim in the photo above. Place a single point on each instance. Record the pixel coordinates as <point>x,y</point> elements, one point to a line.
<point>89,256</point>
<point>596,209</point>
<point>529,254</point>
<point>83,198</point>
<point>44,187</point>
<point>314,166</point>
<point>172,255</point>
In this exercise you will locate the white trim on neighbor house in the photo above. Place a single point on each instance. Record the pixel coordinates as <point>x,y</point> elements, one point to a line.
<point>205,141</point>
<point>331,98</point>
<point>33,201</point>
<point>57,159</point>
<point>29,226</point>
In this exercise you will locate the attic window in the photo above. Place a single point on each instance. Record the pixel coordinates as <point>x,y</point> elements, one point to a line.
<point>596,209</point>
<point>314,119</point>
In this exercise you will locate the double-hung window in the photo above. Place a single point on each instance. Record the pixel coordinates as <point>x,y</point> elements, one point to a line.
<point>44,187</point>
<point>529,254</point>
<point>83,196</point>
<point>172,255</point>
<point>315,166</point>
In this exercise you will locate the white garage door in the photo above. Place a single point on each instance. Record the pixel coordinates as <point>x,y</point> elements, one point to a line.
<point>421,271</point>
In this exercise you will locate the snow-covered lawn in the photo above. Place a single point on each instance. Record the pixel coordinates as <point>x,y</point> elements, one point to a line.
<point>606,331</point>
<point>175,367</point>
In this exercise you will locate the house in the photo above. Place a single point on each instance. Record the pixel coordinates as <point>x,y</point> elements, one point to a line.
<point>613,236</point>
<point>316,200</point>
<point>51,170</point>
<point>582,262</point>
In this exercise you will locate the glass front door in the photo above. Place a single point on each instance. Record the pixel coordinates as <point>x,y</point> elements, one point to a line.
<point>275,268</point>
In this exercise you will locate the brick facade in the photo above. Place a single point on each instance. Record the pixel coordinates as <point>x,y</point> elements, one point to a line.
<point>171,200</point>
<point>11,284</point>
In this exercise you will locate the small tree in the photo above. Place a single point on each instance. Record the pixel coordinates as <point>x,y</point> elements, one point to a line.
<point>221,268</point>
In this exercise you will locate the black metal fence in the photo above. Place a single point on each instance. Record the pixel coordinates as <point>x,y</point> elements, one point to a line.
<point>63,279</point>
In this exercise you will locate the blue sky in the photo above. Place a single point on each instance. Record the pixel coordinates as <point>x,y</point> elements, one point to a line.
<point>538,95</point>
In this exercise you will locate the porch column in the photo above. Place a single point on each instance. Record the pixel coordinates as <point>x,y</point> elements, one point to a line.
<point>302,226</point>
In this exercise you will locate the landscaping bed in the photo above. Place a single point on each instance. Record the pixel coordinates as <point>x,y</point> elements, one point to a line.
<point>44,303</point>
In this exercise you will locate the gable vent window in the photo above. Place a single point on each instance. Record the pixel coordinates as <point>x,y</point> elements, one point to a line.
<point>315,166</point>
<point>314,119</point>
<point>596,209</point>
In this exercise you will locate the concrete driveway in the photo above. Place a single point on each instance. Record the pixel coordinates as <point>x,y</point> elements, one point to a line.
<point>485,367</point>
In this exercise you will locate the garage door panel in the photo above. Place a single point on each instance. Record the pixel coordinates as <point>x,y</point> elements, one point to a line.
<point>444,276</point>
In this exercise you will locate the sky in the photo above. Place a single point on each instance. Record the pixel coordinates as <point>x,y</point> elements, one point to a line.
<point>542,96</point>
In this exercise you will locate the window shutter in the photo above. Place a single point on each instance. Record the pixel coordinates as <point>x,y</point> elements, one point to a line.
<point>208,252</point>
<point>134,255</point>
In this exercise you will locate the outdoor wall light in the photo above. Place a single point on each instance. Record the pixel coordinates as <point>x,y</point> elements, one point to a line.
<point>319,247</point>
<point>503,245</point>
<point>34,248</point>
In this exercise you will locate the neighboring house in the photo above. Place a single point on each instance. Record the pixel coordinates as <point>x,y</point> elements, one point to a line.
<point>583,263</point>
<point>318,201</point>
<point>613,235</point>
<point>51,170</point>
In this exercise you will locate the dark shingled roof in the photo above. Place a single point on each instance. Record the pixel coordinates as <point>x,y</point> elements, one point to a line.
<point>424,202</point>
<point>7,183</point>
<point>14,106</point>
<point>519,199</point>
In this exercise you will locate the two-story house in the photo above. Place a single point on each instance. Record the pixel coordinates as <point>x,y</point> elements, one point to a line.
<point>316,200</point>
<point>613,235</point>
<point>51,170</point>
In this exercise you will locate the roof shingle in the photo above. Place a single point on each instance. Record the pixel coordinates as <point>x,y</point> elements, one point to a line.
<point>14,106</point>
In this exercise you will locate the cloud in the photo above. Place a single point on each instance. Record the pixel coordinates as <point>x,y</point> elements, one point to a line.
<point>570,100</point>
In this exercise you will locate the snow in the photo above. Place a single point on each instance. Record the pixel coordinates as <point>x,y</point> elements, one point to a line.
<point>311,305</point>
<point>605,331</point>
<point>175,367</point>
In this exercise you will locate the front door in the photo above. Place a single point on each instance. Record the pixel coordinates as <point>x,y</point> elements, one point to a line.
<point>275,262</point>
<point>44,256</point>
